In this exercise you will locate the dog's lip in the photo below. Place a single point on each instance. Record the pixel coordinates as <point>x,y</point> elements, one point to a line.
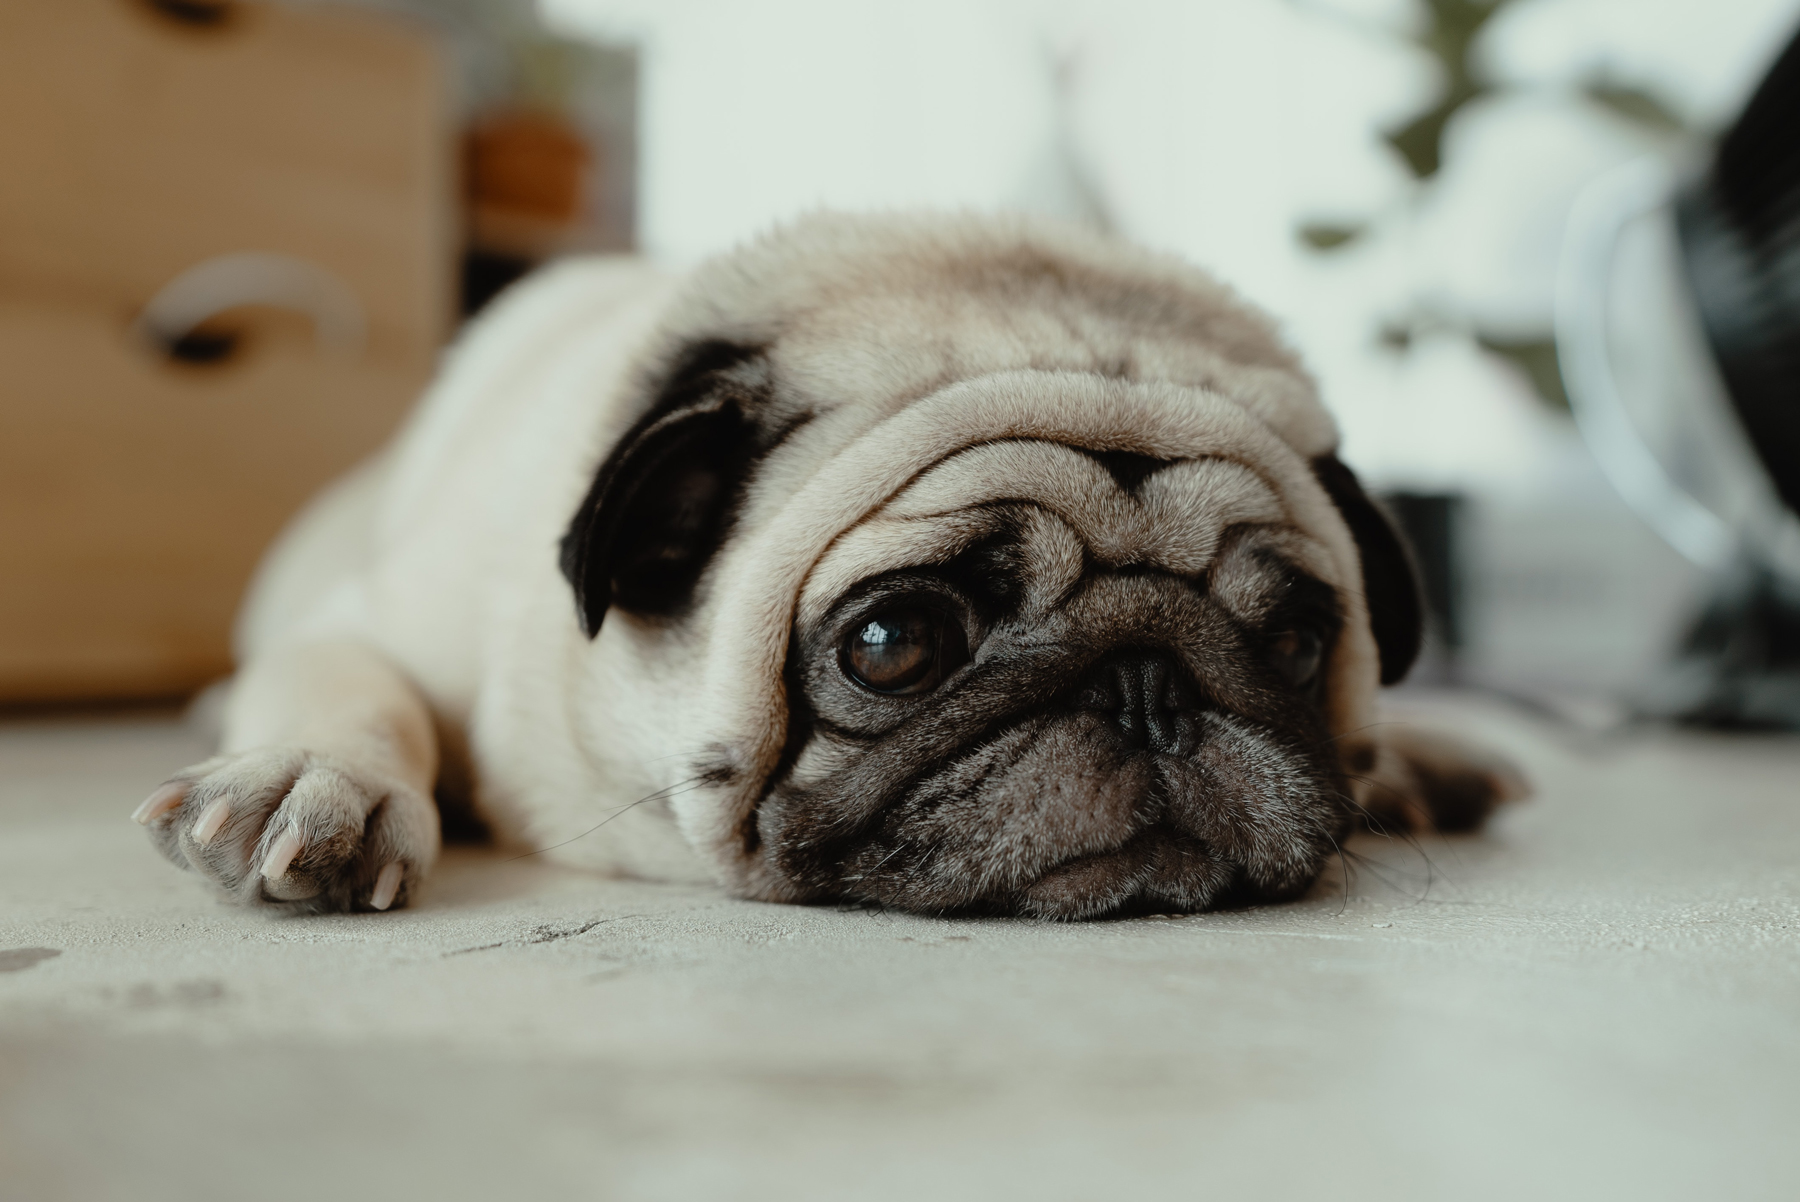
<point>1145,837</point>
<point>1134,860</point>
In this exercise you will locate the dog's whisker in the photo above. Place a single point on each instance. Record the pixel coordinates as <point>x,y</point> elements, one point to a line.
<point>1363,729</point>
<point>662,794</point>
<point>1377,871</point>
<point>1344,872</point>
<point>1406,837</point>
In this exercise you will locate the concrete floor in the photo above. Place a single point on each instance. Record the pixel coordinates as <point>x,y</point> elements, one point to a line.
<point>1599,998</point>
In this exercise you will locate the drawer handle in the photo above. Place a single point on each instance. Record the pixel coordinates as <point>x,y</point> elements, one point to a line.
<point>198,14</point>
<point>176,320</point>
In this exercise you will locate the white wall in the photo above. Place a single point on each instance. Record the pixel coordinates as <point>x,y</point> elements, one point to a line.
<point>1212,128</point>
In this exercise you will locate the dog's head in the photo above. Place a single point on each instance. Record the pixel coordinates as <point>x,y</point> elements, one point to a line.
<point>1020,571</point>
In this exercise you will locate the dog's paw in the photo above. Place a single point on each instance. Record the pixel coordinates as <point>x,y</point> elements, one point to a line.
<point>288,827</point>
<point>1425,780</point>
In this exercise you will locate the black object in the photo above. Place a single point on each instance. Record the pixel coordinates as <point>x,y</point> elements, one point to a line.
<point>486,274</point>
<point>1432,525</point>
<point>204,346</point>
<point>1739,667</point>
<point>1740,240</point>
<point>1739,229</point>
<point>201,14</point>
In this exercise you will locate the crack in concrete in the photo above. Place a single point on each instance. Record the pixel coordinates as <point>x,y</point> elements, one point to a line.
<point>544,934</point>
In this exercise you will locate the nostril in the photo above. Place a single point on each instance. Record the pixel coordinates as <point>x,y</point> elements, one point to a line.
<point>1148,699</point>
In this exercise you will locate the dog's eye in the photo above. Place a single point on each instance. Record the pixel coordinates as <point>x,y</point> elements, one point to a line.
<point>1297,655</point>
<point>904,650</point>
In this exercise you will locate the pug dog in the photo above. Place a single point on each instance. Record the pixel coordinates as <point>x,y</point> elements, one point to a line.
<point>956,564</point>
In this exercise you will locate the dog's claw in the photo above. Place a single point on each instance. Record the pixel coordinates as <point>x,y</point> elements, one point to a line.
<point>159,803</point>
<point>211,819</point>
<point>281,854</point>
<point>387,886</point>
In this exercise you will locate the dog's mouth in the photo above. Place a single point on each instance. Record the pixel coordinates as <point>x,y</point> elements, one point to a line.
<point>1077,815</point>
<point>1159,870</point>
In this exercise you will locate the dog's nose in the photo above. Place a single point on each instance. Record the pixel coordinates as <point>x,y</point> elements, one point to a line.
<point>1148,697</point>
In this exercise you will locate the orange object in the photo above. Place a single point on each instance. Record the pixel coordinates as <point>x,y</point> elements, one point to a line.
<point>529,163</point>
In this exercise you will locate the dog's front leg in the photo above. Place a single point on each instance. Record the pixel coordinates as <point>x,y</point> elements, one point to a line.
<point>321,799</point>
<point>1421,779</point>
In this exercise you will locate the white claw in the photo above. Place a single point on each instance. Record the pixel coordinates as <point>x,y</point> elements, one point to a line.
<point>211,819</point>
<point>387,885</point>
<point>159,803</point>
<point>282,853</point>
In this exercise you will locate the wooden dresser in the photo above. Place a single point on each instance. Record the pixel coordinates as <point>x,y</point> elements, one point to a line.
<point>226,253</point>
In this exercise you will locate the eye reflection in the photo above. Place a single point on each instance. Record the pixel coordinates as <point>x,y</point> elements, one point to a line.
<point>903,650</point>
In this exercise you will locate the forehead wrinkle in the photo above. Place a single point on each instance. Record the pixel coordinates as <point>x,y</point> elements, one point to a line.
<point>1188,506</point>
<point>1246,576</point>
<point>1111,522</point>
<point>929,520</point>
<point>886,542</point>
<point>1175,520</point>
<point>1036,470</point>
<point>1058,555</point>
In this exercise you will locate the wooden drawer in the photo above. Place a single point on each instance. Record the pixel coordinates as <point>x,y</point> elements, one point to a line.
<point>137,491</point>
<point>136,495</point>
<point>137,146</point>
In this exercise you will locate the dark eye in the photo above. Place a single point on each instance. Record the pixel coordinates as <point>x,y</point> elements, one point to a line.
<point>1297,655</point>
<point>904,650</point>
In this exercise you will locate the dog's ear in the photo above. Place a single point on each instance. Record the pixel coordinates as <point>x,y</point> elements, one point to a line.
<point>1391,586</point>
<point>662,502</point>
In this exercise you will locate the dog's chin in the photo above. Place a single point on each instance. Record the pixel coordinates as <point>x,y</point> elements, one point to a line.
<point>1059,818</point>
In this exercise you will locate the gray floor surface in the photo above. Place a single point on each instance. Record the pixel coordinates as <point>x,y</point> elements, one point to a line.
<point>1598,998</point>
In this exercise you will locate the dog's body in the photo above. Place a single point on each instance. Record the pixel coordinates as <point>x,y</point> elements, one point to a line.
<point>945,563</point>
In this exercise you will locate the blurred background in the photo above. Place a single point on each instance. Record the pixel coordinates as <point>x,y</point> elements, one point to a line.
<point>235,236</point>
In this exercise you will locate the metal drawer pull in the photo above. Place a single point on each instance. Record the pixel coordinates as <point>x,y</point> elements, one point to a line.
<point>173,321</point>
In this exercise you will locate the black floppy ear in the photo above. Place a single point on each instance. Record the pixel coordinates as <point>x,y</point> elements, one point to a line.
<point>662,501</point>
<point>1396,609</point>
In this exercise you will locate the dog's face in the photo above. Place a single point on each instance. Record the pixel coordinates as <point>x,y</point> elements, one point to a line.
<point>1025,729</point>
<point>1040,677</point>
